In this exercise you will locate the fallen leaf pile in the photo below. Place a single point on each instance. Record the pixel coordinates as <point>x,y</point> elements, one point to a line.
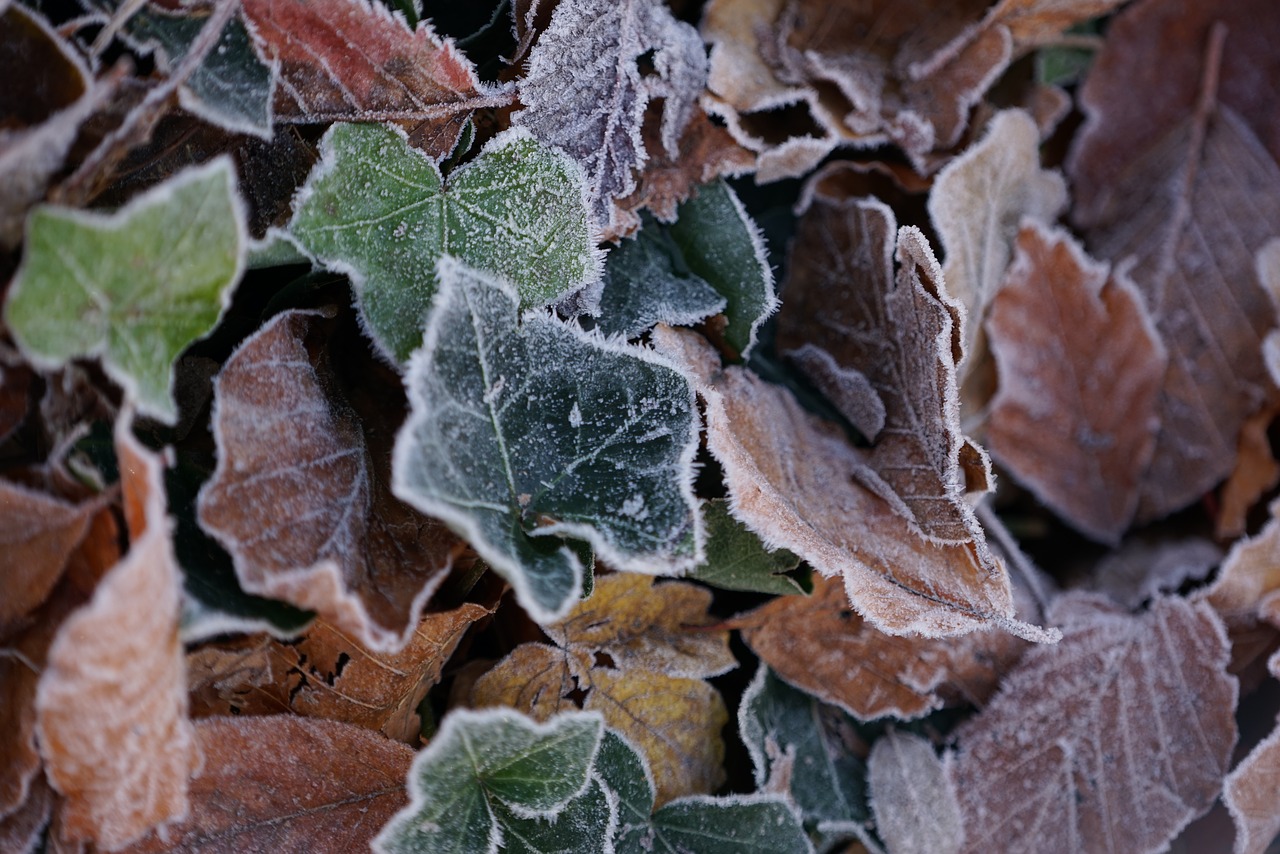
<point>716,426</point>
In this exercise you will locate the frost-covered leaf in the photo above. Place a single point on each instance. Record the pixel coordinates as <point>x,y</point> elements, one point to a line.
<point>585,825</point>
<point>721,244</point>
<point>1249,791</point>
<point>913,796</point>
<point>646,281</point>
<point>1256,471</point>
<point>112,702</point>
<point>38,533</point>
<point>585,92</point>
<point>301,496</point>
<point>483,765</point>
<point>737,824</point>
<point>737,560</point>
<point>1250,573</point>
<point>1179,177</point>
<point>326,674</point>
<point>1140,570</point>
<point>379,210</point>
<point>1071,339</point>
<point>135,286</point>
<point>1041,22</point>
<point>283,783</point>
<point>636,651</point>
<point>525,431</point>
<point>1120,735</point>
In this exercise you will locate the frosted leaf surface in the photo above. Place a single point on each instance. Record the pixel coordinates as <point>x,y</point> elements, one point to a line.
<point>527,430</point>
<point>737,560</point>
<point>379,210</point>
<point>913,797</point>
<point>38,533</point>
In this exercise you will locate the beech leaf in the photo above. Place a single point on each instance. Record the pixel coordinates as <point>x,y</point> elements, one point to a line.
<point>1249,790</point>
<point>737,560</point>
<point>913,796</point>
<point>523,431</point>
<point>38,533</point>
<point>135,286</point>
<point>378,210</point>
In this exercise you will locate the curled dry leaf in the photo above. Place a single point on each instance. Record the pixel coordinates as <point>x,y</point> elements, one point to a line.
<point>112,700</point>
<point>301,496</point>
<point>328,674</point>
<point>1072,340</point>
<point>1120,734</point>
<point>1176,169</point>
<point>38,533</point>
<point>913,796</point>
<point>283,783</point>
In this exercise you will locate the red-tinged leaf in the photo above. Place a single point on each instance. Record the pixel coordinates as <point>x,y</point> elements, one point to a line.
<point>1111,741</point>
<point>282,783</point>
<point>301,496</point>
<point>112,701</point>
<point>1176,169</point>
<point>1071,341</point>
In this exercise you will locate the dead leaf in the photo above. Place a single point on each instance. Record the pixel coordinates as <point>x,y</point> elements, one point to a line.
<point>1142,569</point>
<point>283,783</point>
<point>1249,791</point>
<point>821,646</point>
<point>1255,473</point>
<point>23,831</point>
<point>301,496</point>
<point>635,650</point>
<point>111,703</point>
<point>326,674</point>
<point>1080,366</point>
<point>1176,169</point>
<point>1113,740</point>
<point>913,796</point>
<point>1034,23</point>
<point>1249,573</point>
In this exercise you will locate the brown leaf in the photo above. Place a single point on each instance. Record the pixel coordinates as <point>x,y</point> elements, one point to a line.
<point>1080,367</point>
<point>634,649</point>
<point>1113,740</point>
<point>1250,572</point>
<point>326,674</point>
<point>1176,169</point>
<point>15,393</point>
<point>283,783</point>
<point>1033,23</point>
<point>23,830</point>
<point>112,703</point>
<point>818,644</point>
<point>1249,791</point>
<point>1254,474</point>
<point>1141,570</point>
<point>301,497</point>
<point>913,796</point>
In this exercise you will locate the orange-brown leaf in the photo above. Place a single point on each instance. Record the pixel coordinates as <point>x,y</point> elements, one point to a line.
<point>38,533</point>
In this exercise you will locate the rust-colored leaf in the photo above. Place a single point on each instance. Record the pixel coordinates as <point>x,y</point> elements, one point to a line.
<point>328,674</point>
<point>283,783</point>
<point>301,495</point>
<point>1113,740</point>
<point>1254,474</point>
<point>111,703</point>
<point>1080,367</point>
<point>1176,169</point>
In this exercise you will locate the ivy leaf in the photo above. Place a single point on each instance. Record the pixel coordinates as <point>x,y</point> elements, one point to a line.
<point>379,210</point>
<point>484,766</point>
<point>521,433</point>
<point>136,286</point>
<point>737,560</point>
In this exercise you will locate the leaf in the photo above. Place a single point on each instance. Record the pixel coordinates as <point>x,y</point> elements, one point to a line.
<point>1255,472</point>
<point>900,330</point>
<point>285,784</point>
<point>377,210</point>
<point>818,644</point>
<point>913,797</point>
<point>635,650</point>
<point>737,560</point>
<point>112,705</point>
<point>483,762</point>
<point>1250,572</point>
<point>1249,790</point>
<point>1141,570</point>
<point>1152,689</point>
<point>585,94</point>
<point>1033,23</point>
<point>326,674</point>
<point>721,244</point>
<point>22,831</point>
<point>584,826</point>
<point>521,434</point>
<point>135,287</point>
<point>737,824</point>
<point>1071,338</point>
<point>301,497</point>
<point>794,481</point>
<point>646,281</point>
<point>1181,177</point>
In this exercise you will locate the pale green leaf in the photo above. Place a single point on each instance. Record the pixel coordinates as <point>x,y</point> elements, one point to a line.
<point>524,431</point>
<point>483,766</point>
<point>722,245</point>
<point>379,210</point>
<point>136,286</point>
<point>737,560</point>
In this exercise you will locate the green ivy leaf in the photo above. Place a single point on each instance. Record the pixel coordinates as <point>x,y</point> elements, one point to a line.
<point>584,826</point>
<point>523,431</point>
<point>379,210</point>
<point>721,244</point>
<point>737,560</point>
<point>736,824</point>
<point>484,767</point>
<point>136,286</point>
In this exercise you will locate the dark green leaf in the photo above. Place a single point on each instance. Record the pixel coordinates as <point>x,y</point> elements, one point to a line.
<point>737,560</point>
